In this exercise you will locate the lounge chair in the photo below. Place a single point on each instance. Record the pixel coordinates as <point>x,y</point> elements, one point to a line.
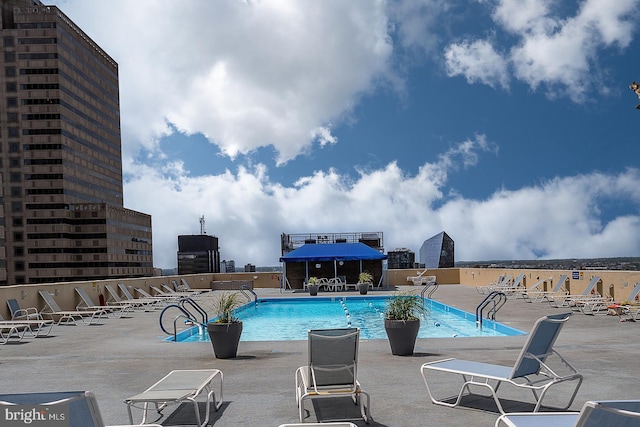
<point>53,311</point>
<point>502,282</point>
<point>146,302</point>
<point>68,408</point>
<point>624,310</point>
<point>606,413</point>
<point>539,296</point>
<point>180,386</point>
<point>86,303</point>
<point>162,299</point>
<point>17,313</point>
<point>568,300</point>
<point>35,327</point>
<point>115,300</point>
<point>332,370</point>
<point>170,291</point>
<point>530,371</point>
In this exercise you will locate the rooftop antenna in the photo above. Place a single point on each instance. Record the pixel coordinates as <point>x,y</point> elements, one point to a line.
<point>202,230</point>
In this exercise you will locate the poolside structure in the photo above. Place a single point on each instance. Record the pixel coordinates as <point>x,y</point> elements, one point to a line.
<point>330,260</point>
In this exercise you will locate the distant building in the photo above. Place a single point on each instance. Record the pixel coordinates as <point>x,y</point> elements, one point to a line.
<point>228,266</point>
<point>437,252</point>
<point>249,268</point>
<point>401,258</point>
<point>198,254</point>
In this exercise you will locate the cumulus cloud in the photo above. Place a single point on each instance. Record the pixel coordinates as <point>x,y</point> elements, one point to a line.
<point>556,52</point>
<point>244,74</point>
<point>559,218</point>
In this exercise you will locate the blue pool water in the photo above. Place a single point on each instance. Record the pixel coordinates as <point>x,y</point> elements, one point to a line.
<point>284,319</point>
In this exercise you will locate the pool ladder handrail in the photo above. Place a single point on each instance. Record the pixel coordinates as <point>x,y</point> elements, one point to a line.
<point>184,313</point>
<point>244,288</point>
<point>431,283</point>
<point>496,305</point>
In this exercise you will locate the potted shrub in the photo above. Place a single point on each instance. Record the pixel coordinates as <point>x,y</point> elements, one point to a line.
<point>365,279</point>
<point>402,322</point>
<point>313,286</point>
<point>226,329</point>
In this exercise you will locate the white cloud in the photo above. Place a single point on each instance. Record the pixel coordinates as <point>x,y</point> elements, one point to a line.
<point>558,53</point>
<point>245,74</point>
<point>557,219</point>
<point>478,61</point>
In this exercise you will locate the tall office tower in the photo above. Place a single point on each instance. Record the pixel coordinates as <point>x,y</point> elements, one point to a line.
<point>60,156</point>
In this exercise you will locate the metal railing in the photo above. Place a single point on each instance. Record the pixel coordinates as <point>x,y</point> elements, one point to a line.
<point>495,300</point>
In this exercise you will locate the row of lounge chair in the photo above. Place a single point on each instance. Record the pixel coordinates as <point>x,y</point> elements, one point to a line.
<point>32,323</point>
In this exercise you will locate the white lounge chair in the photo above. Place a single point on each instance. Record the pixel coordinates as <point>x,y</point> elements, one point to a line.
<point>536,295</point>
<point>115,300</point>
<point>180,386</point>
<point>146,302</point>
<point>531,369</point>
<point>624,310</point>
<point>69,408</point>
<point>86,303</point>
<point>332,370</point>
<point>606,413</point>
<point>503,281</point>
<point>568,300</point>
<point>34,327</point>
<point>53,311</point>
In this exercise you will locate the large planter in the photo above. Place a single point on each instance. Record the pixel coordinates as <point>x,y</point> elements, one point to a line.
<point>402,335</point>
<point>313,289</point>
<point>363,288</point>
<point>225,338</point>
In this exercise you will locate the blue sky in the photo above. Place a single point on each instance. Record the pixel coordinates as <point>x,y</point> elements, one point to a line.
<point>509,124</point>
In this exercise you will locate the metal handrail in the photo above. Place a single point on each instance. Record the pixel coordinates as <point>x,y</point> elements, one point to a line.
<point>195,306</point>
<point>244,288</point>
<point>185,313</point>
<point>427,286</point>
<point>496,305</point>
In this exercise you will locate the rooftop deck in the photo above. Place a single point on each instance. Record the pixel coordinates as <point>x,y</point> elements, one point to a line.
<point>122,357</point>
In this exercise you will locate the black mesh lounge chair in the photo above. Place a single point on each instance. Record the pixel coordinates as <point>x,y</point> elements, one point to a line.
<point>332,370</point>
<point>63,408</point>
<point>531,369</point>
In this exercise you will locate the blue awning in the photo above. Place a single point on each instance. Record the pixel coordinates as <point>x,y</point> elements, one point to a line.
<point>333,252</point>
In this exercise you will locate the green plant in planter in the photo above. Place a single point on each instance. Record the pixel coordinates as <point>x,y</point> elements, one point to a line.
<point>404,306</point>
<point>226,329</point>
<point>402,322</point>
<point>312,280</point>
<point>224,306</point>
<point>365,277</point>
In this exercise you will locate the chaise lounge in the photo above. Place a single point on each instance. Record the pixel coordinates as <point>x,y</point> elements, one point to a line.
<point>531,369</point>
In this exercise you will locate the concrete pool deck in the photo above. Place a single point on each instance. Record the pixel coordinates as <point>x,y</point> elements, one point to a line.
<point>122,357</point>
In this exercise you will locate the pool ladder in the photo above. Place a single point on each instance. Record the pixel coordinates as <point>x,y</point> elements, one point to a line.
<point>496,300</point>
<point>246,288</point>
<point>186,314</point>
<point>429,284</point>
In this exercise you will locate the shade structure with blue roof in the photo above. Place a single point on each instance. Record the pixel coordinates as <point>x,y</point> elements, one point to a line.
<point>333,252</point>
<point>347,256</point>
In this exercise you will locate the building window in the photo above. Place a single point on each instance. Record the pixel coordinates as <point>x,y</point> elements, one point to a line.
<point>16,207</point>
<point>13,132</point>
<point>12,102</point>
<point>9,41</point>
<point>18,251</point>
<point>19,266</point>
<point>14,147</point>
<point>16,192</point>
<point>14,162</point>
<point>18,236</point>
<point>10,71</point>
<point>12,117</point>
<point>11,87</point>
<point>15,177</point>
<point>9,57</point>
<point>17,221</point>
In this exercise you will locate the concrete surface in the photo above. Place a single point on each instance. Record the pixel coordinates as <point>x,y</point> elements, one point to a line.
<point>122,357</point>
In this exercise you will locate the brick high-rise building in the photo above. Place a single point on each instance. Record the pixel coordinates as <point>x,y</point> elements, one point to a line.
<point>62,216</point>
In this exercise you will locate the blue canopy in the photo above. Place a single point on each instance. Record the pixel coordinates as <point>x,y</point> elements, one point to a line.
<point>333,252</point>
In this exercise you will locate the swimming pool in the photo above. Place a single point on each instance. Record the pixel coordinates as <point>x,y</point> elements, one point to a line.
<point>285,319</point>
